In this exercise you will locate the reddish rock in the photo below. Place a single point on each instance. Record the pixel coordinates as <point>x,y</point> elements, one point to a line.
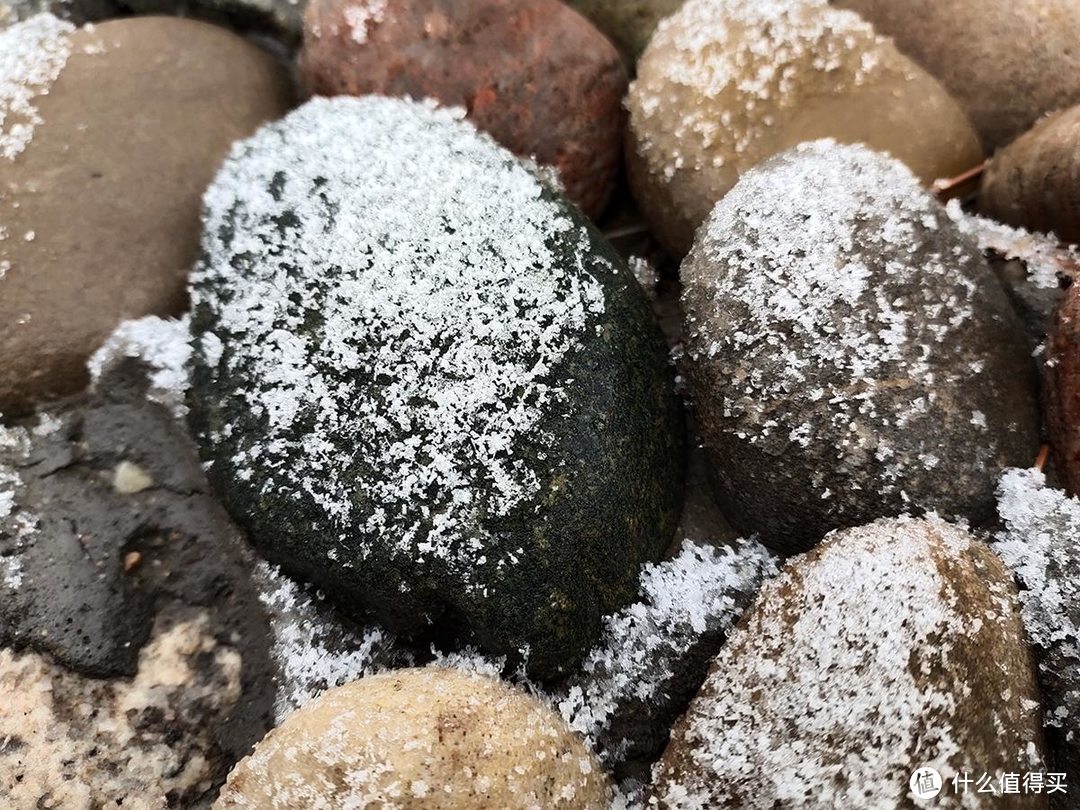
<point>534,74</point>
<point>1063,389</point>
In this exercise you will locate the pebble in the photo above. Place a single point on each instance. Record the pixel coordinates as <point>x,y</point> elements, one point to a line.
<point>461,412</point>
<point>428,737</point>
<point>1061,389</point>
<point>849,351</point>
<point>110,137</point>
<point>725,84</point>
<point>1007,62</point>
<point>533,73</point>
<point>890,647</point>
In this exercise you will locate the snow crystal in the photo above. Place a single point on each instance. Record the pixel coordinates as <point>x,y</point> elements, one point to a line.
<point>15,521</point>
<point>643,647</point>
<point>32,55</point>
<point>841,677</point>
<point>646,275</point>
<point>1046,259</point>
<point>757,53</point>
<point>361,14</point>
<point>312,648</point>
<point>795,302</point>
<point>384,275</point>
<point>1041,544</point>
<point>162,345</point>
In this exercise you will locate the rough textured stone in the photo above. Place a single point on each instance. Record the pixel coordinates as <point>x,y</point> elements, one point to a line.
<point>725,84</point>
<point>889,647</point>
<point>850,353</point>
<point>421,738</point>
<point>629,23</point>
<point>139,606</point>
<point>425,383</point>
<point>1008,62</point>
<point>99,195</point>
<point>532,73</point>
<point>1061,396</point>
<point>1034,182</point>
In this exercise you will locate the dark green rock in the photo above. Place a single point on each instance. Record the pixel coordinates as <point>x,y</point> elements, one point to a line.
<point>425,383</point>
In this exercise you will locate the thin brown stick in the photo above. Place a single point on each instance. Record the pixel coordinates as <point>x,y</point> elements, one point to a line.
<point>1041,459</point>
<point>943,186</point>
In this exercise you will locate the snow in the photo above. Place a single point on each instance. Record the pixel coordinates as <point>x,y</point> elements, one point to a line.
<point>361,15</point>
<point>1046,259</point>
<point>1041,544</point>
<point>824,694</point>
<point>643,647</point>
<point>312,648</point>
<point>388,298</point>
<point>32,55</point>
<point>162,345</point>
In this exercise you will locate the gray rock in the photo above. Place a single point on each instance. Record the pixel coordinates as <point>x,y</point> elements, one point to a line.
<point>849,352</point>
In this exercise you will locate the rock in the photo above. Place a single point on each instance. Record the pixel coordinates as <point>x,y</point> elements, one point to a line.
<point>283,19</point>
<point>1041,544</point>
<point>1007,62</point>
<point>725,84</point>
<point>849,352</point>
<point>139,606</point>
<point>424,737</point>
<point>73,11</point>
<point>100,201</point>
<point>887,648</point>
<point>653,654</point>
<point>1033,181</point>
<point>628,23</point>
<point>147,741</point>
<point>1061,388</point>
<point>532,73</point>
<point>461,413</point>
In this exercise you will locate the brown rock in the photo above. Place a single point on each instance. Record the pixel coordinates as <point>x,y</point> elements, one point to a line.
<point>725,84</point>
<point>1062,389</point>
<point>1007,62</point>
<point>1034,182</point>
<point>100,207</point>
<point>533,73</point>
<point>889,647</point>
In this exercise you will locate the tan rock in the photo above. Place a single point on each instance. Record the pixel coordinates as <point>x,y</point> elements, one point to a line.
<point>112,135</point>
<point>725,84</point>
<point>889,647</point>
<point>1007,62</point>
<point>420,738</point>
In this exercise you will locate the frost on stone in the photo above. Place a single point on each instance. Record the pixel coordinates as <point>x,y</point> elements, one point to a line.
<point>852,668</point>
<point>312,646</point>
<point>32,54</point>
<point>163,345</point>
<point>384,275</point>
<point>1046,259</point>
<point>813,315</point>
<point>1041,544</point>
<point>361,15</point>
<point>652,655</point>
<point>16,523</point>
<point>754,54</point>
<point>646,275</point>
